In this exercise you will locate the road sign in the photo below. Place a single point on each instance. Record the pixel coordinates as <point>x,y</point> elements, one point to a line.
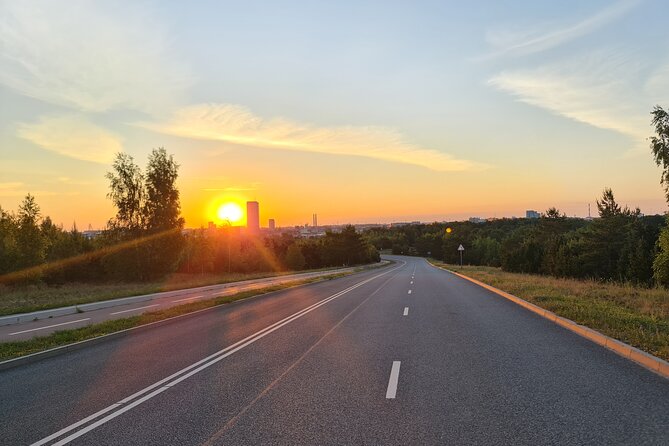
<point>461,248</point>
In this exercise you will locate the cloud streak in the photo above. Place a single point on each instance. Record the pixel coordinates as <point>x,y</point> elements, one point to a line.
<point>235,124</point>
<point>72,136</point>
<point>88,56</point>
<point>526,42</point>
<point>602,89</point>
<point>11,189</point>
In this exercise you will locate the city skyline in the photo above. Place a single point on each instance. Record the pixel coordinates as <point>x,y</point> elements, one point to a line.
<point>366,111</point>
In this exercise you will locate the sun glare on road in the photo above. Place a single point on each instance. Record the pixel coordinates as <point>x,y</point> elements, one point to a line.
<point>230,212</point>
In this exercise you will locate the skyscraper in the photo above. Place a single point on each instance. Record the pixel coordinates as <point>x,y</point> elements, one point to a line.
<point>272,224</point>
<point>252,216</point>
<point>314,222</point>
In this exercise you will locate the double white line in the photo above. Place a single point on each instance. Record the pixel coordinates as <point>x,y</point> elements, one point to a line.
<point>154,389</point>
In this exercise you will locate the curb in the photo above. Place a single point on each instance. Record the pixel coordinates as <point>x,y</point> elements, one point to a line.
<point>38,356</point>
<point>653,363</point>
<point>13,319</point>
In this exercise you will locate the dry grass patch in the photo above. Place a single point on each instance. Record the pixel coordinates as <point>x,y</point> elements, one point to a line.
<point>635,315</point>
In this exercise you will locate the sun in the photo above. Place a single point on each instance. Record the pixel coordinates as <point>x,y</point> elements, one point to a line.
<point>230,212</point>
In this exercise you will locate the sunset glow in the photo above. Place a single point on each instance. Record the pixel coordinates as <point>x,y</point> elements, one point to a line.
<point>230,212</point>
<point>533,117</point>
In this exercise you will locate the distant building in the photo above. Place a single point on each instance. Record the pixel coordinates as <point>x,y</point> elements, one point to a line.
<point>211,226</point>
<point>252,216</point>
<point>532,214</point>
<point>314,220</point>
<point>91,233</point>
<point>477,220</point>
<point>271,224</point>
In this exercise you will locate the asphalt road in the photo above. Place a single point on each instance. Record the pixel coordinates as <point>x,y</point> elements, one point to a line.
<point>366,359</point>
<point>20,327</point>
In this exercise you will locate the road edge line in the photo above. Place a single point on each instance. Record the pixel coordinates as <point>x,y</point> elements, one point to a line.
<point>648,361</point>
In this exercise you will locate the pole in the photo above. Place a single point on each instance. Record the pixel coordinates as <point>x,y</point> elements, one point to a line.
<point>229,241</point>
<point>460,258</point>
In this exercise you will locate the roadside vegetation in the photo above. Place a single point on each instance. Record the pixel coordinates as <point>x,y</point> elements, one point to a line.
<point>636,315</point>
<point>10,350</point>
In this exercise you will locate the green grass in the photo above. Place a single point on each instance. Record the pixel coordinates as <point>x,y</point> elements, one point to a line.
<point>9,350</point>
<point>634,315</point>
<point>27,298</point>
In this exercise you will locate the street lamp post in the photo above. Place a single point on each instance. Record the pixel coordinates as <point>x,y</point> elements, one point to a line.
<point>229,224</point>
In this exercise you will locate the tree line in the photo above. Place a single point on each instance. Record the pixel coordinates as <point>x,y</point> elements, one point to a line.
<point>145,240</point>
<point>621,245</point>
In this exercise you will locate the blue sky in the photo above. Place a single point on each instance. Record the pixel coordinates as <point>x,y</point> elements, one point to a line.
<point>366,111</point>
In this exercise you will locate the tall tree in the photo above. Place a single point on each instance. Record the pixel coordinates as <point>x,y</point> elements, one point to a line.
<point>127,191</point>
<point>29,240</point>
<point>608,206</point>
<point>162,208</point>
<point>659,145</point>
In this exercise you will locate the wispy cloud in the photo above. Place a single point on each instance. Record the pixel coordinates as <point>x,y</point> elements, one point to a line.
<point>72,182</point>
<point>73,136</point>
<point>11,189</point>
<point>528,41</point>
<point>90,56</point>
<point>235,124</point>
<point>604,89</point>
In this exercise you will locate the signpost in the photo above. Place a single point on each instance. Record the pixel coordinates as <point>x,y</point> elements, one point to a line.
<point>461,249</point>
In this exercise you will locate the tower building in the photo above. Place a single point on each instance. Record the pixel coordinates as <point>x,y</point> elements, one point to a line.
<point>252,216</point>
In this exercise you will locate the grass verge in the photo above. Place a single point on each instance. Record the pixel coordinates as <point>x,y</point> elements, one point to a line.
<point>10,350</point>
<point>28,298</point>
<point>634,315</point>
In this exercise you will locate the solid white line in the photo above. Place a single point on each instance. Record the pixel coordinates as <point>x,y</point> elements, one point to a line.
<point>49,326</point>
<point>135,309</point>
<point>409,292</point>
<point>75,425</point>
<point>109,417</point>
<point>406,311</point>
<point>188,298</point>
<point>392,382</point>
<point>203,364</point>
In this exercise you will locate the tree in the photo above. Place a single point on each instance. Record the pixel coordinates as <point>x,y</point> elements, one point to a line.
<point>554,213</point>
<point>608,206</point>
<point>162,208</point>
<point>659,144</point>
<point>294,258</point>
<point>127,191</point>
<point>661,262</point>
<point>29,240</point>
<point>8,248</point>
<point>147,206</point>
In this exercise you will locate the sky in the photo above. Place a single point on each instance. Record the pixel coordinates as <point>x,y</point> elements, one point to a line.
<point>361,112</point>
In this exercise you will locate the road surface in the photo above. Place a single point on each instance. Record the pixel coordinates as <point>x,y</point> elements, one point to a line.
<point>20,327</point>
<point>406,354</point>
